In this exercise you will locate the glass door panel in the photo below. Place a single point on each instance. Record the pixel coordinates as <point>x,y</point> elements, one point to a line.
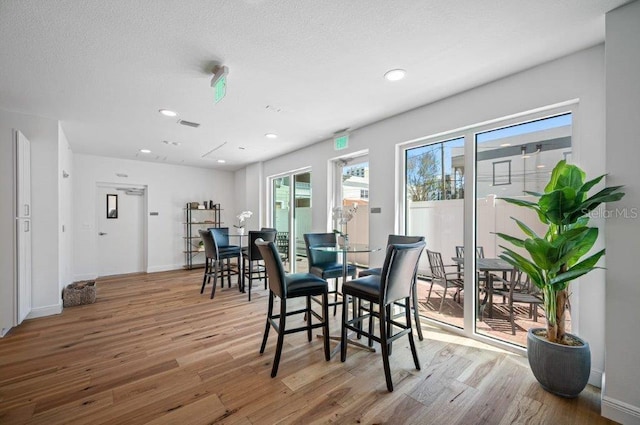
<point>511,161</point>
<point>281,207</point>
<point>301,218</point>
<point>434,191</point>
<point>354,191</point>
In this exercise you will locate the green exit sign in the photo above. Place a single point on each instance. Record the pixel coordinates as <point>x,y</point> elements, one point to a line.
<point>220,89</point>
<point>341,142</point>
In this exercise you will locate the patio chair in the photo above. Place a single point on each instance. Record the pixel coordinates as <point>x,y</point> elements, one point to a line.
<point>446,279</point>
<point>517,290</point>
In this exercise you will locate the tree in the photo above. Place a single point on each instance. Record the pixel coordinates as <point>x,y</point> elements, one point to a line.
<point>423,176</point>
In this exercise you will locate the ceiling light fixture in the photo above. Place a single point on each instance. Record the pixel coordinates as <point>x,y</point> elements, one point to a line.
<point>145,151</point>
<point>221,161</point>
<point>168,113</point>
<point>504,145</point>
<point>271,136</point>
<point>395,74</point>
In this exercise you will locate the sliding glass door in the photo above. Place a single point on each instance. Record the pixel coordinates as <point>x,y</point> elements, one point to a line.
<point>460,217</point>
<point>291,216</point>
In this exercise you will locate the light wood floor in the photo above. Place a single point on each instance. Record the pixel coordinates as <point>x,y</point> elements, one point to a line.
<point>153,350</point>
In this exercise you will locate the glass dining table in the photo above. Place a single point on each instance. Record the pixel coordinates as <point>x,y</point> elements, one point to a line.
<point>344,251</point>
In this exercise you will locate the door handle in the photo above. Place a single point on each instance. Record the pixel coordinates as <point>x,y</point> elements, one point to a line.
<point>102,233</point>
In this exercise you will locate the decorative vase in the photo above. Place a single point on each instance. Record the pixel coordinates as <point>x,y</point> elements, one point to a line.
<point>560,369</point>
<point>241,230</point>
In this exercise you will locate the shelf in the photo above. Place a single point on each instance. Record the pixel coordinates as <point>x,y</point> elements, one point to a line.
<point>203,218</point>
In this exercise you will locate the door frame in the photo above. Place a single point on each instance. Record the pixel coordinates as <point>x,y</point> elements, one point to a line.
<point>121,188</point>
<point>271,213</point>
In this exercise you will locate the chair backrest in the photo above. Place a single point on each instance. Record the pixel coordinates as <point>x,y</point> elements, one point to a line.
<point>460,251</point>
<point>403,239</point>
<point>399,270</point>
<point>315,257</point>
<point>275,269</point>
<point>436,265</point>
<point>220,236</point>
<point>268,229</point>
<point>282,243</point>
<point>254,235</point>
<point>209,245</point>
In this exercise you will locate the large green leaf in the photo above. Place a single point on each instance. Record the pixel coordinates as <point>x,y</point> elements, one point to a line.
<point>555,204</point>
<point>517,242</point>
<point>526,229</point>
<point>525,265</point>
<point>542,252</point>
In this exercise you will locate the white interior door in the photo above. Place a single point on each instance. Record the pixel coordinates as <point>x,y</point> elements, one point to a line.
<point>120,234</point>
<point>23,226</point>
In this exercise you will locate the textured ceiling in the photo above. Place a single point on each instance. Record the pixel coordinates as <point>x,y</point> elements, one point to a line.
<point>302,69</point>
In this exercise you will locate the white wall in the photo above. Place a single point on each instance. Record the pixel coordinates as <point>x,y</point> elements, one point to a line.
<point>621,392</point>
<point>577,76</point>
<point>169,188</point>
<point>43,134</point>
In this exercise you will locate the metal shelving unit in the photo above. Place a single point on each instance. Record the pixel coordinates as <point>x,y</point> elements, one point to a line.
<point>197,218</point>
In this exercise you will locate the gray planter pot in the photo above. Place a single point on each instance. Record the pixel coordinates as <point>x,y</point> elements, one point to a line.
<point>560,369</point>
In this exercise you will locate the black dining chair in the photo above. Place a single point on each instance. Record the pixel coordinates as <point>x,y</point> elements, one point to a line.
<point>402,239</point>
<point>252,261</point>
<point>215,256</point>
<point>393,284</point>
<point>519,289</point>
<point>287,286</point>
<point>325,264</point>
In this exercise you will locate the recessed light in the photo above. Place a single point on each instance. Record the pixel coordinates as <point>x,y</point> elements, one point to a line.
<point>540,166</point>
<point>168,113</point>
<point>221,161</point>
<point>271,136</point>
<point>395,74</point>
<point>504,145</point>
<point>145,151</point>
<point>526,156</point>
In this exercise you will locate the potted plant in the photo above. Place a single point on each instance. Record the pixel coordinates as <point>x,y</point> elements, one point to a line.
<point>561,362</point>
<point>241,221</point>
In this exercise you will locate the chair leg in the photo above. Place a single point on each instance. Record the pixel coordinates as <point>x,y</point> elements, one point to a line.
<point>370,342</point>
<point>444,295</point>
<point>283,314</point>
<point>389,327</point>
<point>325,328</point>
<point>268,325</point>
<point>429,294</point>
<point>412,343</point>
<point>204,278</point>
<point>416,310</point>
<point>385,347</point>
<point>511,319</point>
<point>335,299</point>
<point>250,280</point>
<point>308,314</point>
<point>343,337</point>
<point>214,266</point>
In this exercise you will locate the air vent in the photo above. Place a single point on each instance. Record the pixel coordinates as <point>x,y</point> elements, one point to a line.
<point>189,123</point>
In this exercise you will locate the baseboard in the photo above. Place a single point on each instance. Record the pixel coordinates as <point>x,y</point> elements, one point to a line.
<point>620,411</point>
<point>49,310</point>
<point>92,276</point>
<point>154,269</point>
<point>4,331</point>
<point>595,378</point>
